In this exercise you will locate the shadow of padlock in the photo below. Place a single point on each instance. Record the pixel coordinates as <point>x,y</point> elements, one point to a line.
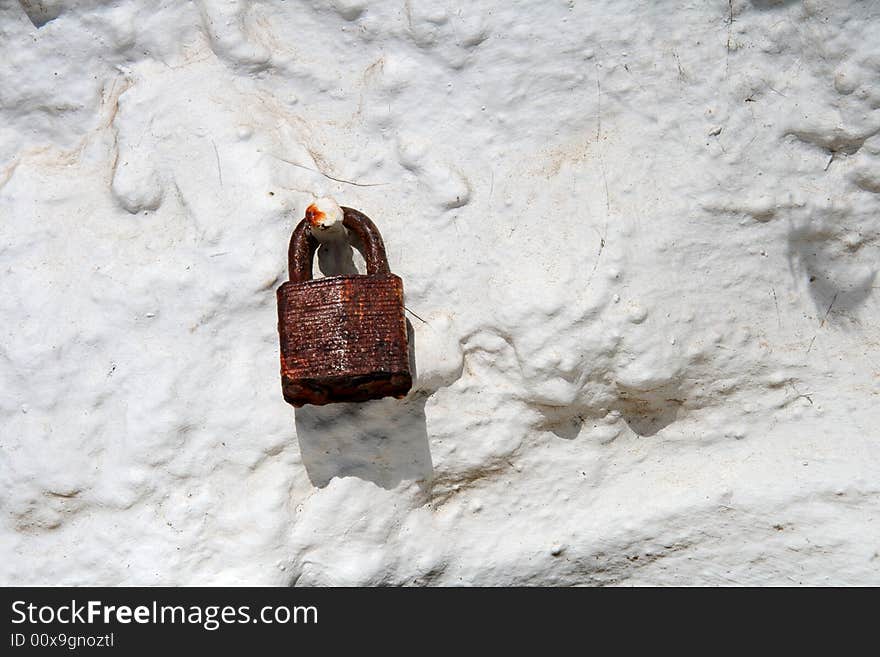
<point>343,338</point>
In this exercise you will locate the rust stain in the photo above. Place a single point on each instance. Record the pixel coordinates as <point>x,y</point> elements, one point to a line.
<point>314,216</point>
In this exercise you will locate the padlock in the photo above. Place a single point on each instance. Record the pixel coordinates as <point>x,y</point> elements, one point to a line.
<point>343,338</point>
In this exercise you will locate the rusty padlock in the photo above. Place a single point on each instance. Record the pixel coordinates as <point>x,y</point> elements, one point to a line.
<point>343,338</point>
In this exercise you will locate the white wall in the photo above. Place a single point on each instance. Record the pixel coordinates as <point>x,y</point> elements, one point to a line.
<point>643,238</point>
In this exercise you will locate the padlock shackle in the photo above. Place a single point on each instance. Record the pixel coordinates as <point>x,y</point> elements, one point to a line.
<point>301,253</point>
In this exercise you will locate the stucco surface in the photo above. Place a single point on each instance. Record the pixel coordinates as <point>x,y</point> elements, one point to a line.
<point>639,243</point>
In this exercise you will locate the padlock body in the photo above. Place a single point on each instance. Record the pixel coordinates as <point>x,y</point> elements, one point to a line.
<point>343,339</point>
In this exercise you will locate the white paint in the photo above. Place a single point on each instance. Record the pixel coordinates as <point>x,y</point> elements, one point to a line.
<point>327,226</point>
<point>642,241</point>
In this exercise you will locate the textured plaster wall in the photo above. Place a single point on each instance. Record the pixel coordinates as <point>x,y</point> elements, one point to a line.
<point>639,242</point>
